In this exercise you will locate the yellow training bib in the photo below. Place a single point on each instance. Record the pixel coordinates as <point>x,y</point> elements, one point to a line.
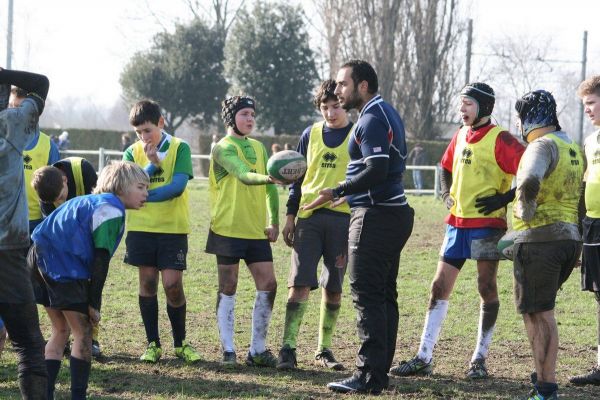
<point>476,173</point>
<point>326,168</point>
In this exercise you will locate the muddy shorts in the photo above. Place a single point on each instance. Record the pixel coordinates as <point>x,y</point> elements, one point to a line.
<point>323,234</point>
<point>540,268</point>
<point>461,244</point>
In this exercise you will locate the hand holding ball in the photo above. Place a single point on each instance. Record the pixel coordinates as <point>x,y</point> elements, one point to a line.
<point>286,166</point>
<point>506,244</point>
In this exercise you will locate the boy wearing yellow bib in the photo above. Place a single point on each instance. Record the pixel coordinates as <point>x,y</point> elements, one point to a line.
<point>40,151</point>
<point>589,91</point>
<point>157,238</point>
<point>477,170</point>
<point>545,217</point>
<point>241,193</point>
<point>321,233</point>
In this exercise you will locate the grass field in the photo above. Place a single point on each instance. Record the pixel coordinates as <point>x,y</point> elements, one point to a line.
<point>119,374</point>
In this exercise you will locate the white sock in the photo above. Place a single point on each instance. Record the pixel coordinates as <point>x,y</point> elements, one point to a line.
<point>598,355</point>
<point>483,339</point>
<point>225,320</point>
<point>431,331</point>
<point>261,316</point>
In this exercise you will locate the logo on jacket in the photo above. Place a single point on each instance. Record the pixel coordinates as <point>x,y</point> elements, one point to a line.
<point>573,154</point>
<point>26,160</point>
<point>329,160</point>
<point>466,155</point>
<point>596,159</point>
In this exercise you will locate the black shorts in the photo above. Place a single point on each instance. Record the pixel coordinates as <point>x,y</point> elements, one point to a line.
<point>323,234</point>
<point>590,266</point>
<point>540,269</point>
<point>231,250</point>
<point>66,296</point>
<point>158,250</point>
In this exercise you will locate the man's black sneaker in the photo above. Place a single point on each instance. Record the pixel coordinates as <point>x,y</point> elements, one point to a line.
<point>592,377</point>
<point>353,384</point>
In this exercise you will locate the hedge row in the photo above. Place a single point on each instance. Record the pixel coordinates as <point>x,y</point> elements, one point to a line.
<point>85,139</point>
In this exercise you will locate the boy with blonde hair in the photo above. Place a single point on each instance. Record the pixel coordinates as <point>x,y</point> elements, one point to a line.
<point>589,91</point>
<point>74,271</point>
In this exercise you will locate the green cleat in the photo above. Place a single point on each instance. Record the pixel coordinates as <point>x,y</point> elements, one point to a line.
<point>534,395</point>
<point>152,353</point>
<point>264,359</point>
<point>187,353</point>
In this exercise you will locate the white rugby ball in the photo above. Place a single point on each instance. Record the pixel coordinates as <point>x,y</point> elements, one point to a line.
<point>286,165</point>
<point>506,244</point>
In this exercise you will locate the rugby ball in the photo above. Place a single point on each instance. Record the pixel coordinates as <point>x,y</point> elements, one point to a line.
<point>506,244</point>
<point>286,165</point>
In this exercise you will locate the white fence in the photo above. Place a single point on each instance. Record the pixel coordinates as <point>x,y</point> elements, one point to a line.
<point>106,155</point>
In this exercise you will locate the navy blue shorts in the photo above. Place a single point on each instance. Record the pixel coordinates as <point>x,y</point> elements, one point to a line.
<point>231,250</point>
<point>158,250</point>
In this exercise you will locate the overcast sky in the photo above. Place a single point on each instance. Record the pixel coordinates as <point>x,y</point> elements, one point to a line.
<point>83,45</point>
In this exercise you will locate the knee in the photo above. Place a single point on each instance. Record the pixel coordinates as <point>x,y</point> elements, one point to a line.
<point>298,293</point>
<point>333,298</point>
<point>148,286</point>
<point>488,290</point>
<point>269,285</point>
<point>61,331</point>
<point>174,292</point>
<point>228,287</point>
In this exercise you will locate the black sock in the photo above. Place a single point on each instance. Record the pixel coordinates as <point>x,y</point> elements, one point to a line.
<point>53,368</point>
<point>598,315</point>
<point>177,318</point>
<point>80,375</point>
<point>149,311</point>
<point>546,388</point>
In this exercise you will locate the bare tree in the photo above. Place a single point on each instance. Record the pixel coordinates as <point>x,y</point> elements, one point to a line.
<point>333,14</point>
<point>429,77</point>
<point>222,13</point>
<point>412,46</point>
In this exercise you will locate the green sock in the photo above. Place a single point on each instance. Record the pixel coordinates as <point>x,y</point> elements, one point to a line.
<point>294,311</point>
<point>329,315</point>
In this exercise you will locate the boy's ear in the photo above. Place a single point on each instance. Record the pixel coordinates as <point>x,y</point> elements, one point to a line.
<point>161,122</point>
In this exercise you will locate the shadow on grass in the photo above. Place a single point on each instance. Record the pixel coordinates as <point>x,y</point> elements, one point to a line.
<point>121,375</point>
<point>441,387</point>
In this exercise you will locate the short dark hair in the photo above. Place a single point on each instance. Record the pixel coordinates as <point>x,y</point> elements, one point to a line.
<point>47,181</point>
<point>363,71</point>
<point>325,92</point>
<point>144,111</point>
<point>17,91</point>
